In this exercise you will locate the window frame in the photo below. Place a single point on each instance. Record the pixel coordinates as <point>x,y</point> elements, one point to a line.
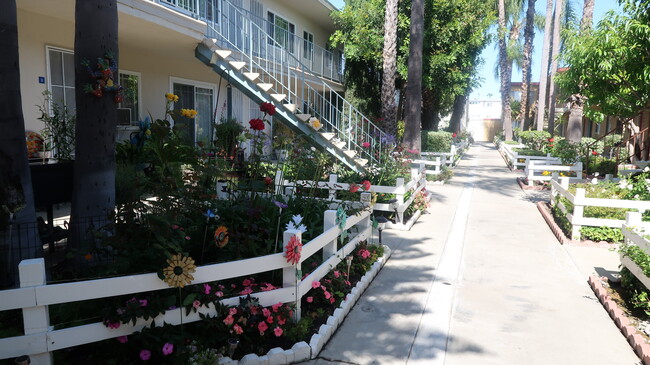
<point>139,96</point>
<point>195,83</point>
<point>48,69</point>
<point>308,45</point>
<point>291,30</point>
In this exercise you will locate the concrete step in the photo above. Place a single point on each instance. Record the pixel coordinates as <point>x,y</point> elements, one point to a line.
<point>278,97</point>
<point>238,64</point>
<point>265,86</point>
<point>361,161</point>
<point>251,75</point>
<point>223,53</point>
<point>303,117</point>
<point>328,136</point>
<point>350,153</point>
<point>290,107</point>
<point>339,144</point>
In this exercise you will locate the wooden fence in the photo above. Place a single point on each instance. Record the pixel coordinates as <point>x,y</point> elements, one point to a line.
<point>519,161</point>
<point>35,295</point>
<point>540,171</point>
<point>632,237</point>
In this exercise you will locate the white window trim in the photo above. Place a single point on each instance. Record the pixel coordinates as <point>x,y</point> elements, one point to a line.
<point>195,83</point>
<point>276,14</point>
<point>139,75</point>
<point>48,69</point>
<point>313,44</point>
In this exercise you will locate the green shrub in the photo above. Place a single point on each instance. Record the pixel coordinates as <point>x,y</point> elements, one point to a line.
<point>599,164</point>
<point>535,140</point>
<point>436,141</point>
<point>511,142</point>
<point>634,292</point>
<point>607,234</point>
<point>528,152</point>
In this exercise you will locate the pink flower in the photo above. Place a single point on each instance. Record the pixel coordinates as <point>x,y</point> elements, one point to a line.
<point>415,152</point>
<point>269,319</point>
<point>310,299</point>
<point>218,294</point>
<point>315,284</point>
<point>262,326</point>
<point>293,250</point>
<point>196,304</point>
<point>276,307</point>
<point>332,300</point>
<point>187,238</point>
<point>364,253</point>
<point>238,329</point>
<point>145,355</point>
<point>113,325</point>
<point>246,291</point>
<point>267,287</point>
<point>281,320</point>
<point>123,339</point>
<point>254,310</point>
<point>229,320</point>
<point>366,185</point>
<point>167,349</point>
<point>246,282</point>
<point>175,226</point>
<point>143,302</point>
<point>206,289</point>
<point>327,295</point>
<point>232,311</point>
<point>266,312</point>
<point>278,331</point>
<point>365,144</point>
<point>337,274</point>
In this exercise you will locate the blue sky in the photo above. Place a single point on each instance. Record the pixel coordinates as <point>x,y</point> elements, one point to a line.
<point>490,85</point>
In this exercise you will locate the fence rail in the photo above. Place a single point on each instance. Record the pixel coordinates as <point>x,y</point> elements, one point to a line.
<point>35,295</point>
<point>580,201</point>
<point>449,158</point>
<point>538,170</point>
<point>519,161</point>
<point>633,237</point>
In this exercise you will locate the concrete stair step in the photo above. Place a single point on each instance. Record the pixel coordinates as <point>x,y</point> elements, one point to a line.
<point>339,144</point>
<point>303,117</point>
<point>290,107</point>
<point>238,64</point>
<point>350,153</point>
<point>265,86</point>
<point>361,161</point>
<point>251,75</point>
<point>223,53</point>
<point>328,136</point>
<point>278,97</point>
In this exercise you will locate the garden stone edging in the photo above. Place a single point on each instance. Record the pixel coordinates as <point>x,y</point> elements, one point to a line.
<point>561,237</point>
<point>524,186</point>
<point>302,351</point>
<point>636,340</point>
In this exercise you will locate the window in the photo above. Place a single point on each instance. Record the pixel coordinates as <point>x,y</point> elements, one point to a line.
<point>198,96</point>
<point>282,30</point>
<point>308,45</point>
<point>130,81</point>
<point>61,77</point>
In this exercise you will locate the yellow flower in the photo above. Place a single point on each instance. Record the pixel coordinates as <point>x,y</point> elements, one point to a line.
<point>546,173</point>
<point>171,97</point>
<point>179,272</point>
<point>190,113</point>
<point>315,123</point>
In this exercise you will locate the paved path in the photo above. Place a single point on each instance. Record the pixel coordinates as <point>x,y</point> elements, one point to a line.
<point>481,280</point>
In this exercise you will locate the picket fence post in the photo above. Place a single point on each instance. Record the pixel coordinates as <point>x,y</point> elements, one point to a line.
<point>578,211</point>
<point>329,221</point>
<point>291,275</point>
<point>35,319</point>
<point>332,181</point>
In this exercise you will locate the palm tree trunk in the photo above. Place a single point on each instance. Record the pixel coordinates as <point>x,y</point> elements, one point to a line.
<point>554,55</point>
<point>388,105</point>
<point>16,195</point>
<point>93,196</point>
<point>413,108</point>
<point>506,116</point>
<point>529,35</point>
<point>587,15</point>
<point>543,76</point>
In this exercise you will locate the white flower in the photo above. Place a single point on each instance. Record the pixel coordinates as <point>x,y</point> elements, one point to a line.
<point>636,197</point>
<point>297,218</point>
<point>294,224</point>
<point>594,181</point>
<point>646,169</point>
<point>596,173</point>
<point>629,187</point>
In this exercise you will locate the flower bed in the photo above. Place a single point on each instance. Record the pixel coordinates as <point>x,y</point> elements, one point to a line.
<point>154,317</point>
<point>541,171</point>
<point>518,161</point>
<point>599,216</point>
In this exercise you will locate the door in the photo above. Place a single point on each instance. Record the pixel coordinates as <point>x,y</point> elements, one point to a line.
<point>200,98</point>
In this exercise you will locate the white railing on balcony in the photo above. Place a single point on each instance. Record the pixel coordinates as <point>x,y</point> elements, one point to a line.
<point>262,54</point>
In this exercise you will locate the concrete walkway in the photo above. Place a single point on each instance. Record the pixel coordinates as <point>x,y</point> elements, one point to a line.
<point>481,280</point>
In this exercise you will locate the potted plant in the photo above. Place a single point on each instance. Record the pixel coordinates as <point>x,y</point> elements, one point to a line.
<point>59,128</point>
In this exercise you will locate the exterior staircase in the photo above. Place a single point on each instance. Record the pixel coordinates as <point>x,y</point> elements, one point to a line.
<point>241,51</point>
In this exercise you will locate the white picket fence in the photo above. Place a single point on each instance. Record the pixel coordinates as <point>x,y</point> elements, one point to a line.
<point>417,183</point>
<point>540,171</point>
<point>579,201</point>
<point>450,158</point>
<point>519,161</point>
<point>432,167</point>
<point>632,237</point>
<point>35,295</point>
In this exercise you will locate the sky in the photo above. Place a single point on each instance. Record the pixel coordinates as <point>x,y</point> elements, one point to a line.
<point>489,88</point>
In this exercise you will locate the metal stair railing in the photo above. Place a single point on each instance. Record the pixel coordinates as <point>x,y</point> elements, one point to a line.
<point>275,65</point>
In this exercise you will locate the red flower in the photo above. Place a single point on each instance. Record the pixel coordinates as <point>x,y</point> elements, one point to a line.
<point>293,250</point>
<point>267,108</point>
<point>354,188</point>
<point>268,180</point>
<point>257,124</point>
<point>453,135</point>
<point>551,140</point>
<point>366,185</point>
<point>594,153</point>
<point>551,145</point>
<point>365,144</point>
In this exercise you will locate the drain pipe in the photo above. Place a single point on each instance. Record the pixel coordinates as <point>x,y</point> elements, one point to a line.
<point>229,101</point>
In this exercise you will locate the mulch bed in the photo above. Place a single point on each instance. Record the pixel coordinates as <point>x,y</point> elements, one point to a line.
<point>523,184</point>
<point>559,233</point>
<point>634,337</point>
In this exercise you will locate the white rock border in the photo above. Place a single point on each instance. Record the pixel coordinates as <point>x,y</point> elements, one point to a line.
<point>302,351</point>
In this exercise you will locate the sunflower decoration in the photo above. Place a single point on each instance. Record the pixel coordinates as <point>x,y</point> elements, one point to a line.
<point>179,272</point>
<point>293,250</point>
<point>221,236</point>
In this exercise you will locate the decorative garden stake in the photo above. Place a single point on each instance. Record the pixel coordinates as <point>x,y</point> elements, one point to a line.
<point>341,220</point>
<point>103,77</point>
<point>232,346</point>
<point>348,261</point>
<point>381,224</point>
<point>291,275</point>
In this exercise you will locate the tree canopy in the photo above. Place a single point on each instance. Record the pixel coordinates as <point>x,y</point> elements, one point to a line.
<point>610,66</point>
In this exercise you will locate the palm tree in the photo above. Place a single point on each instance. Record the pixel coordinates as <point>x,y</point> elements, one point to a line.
<point>414,83</point>
<point>543,76</point>
<point>529,34</point>
<point>576,102</point>
<point>504,67</point>
<point>554,59</point>
<point>16,196</point>
<point>93,195</point>
<point>388,106</point>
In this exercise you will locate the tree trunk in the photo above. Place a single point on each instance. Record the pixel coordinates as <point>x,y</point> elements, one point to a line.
<point>555,45</point>
<point>93,197</point>
<point>506,117</point>
<point>388,105</point>
<point>574,128</point>
<point>412,139</point>
<point>430,110</point>
<point>543,76</point>
<point>529,35</point>
<point>457,114</point>
<point>587,15</point>
<point>16,196</point>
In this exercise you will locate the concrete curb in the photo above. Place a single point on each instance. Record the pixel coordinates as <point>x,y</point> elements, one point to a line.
<point>524,186</point>
<point>302,351</point>
<point>561,237</point>
<point>634,338</point>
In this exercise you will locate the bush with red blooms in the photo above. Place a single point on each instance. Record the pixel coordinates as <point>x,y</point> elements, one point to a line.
<point>257,124</point>
<point>267,108</point>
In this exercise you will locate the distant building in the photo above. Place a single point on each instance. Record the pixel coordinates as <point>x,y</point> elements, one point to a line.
<point>483,119</point>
